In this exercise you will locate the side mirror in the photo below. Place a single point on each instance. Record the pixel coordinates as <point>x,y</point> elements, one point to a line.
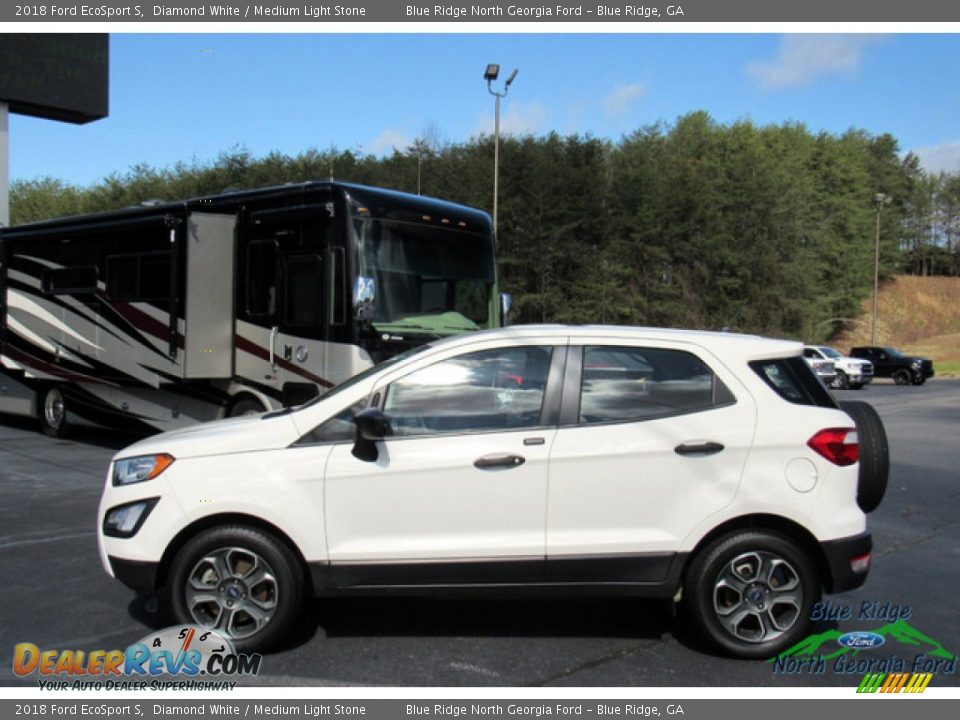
<point>506,303</point>
<point>372,425</point>
<point>364,293</point>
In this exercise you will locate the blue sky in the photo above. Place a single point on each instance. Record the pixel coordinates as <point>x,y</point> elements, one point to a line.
<point>191,97</point>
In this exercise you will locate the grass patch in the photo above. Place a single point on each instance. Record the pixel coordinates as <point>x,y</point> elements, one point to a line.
<point>948,368</point>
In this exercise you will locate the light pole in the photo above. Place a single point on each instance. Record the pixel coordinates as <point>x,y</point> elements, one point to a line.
<point>880,199</point>
<point>491,74</point>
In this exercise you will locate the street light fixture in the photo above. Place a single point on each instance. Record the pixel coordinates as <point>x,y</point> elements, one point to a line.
<point>490,74</point>
<point>880,199</point>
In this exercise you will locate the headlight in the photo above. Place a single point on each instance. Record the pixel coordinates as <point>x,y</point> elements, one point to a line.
<point>916,363</point>
<point>137,469</point>
<point>124,520</point>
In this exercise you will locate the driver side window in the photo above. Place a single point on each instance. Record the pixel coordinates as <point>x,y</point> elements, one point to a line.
<point>489,390</point>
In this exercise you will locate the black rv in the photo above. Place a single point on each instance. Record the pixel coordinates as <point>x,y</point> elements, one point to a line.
<point>168,314</point>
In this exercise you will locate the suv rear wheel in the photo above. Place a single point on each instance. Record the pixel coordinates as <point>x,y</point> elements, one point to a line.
<point>749,593</point>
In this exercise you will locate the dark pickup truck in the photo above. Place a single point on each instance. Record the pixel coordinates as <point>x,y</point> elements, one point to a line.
<point>891,363</point>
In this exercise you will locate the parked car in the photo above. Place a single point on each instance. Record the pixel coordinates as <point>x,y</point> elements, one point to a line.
<point>824,368</point>
<point>709,468</point>
<point>889,362</point>
<point>851,373</point>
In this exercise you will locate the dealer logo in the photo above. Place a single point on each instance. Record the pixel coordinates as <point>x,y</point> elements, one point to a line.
<point>180,651</point>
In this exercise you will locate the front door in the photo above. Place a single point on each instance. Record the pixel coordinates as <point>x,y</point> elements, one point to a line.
<point>458,493</point>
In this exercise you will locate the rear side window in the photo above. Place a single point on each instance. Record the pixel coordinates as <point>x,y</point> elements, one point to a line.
<point>622,384</point>
<point>793,380</point>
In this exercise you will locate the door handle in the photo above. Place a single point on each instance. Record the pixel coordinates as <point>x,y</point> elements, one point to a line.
<point>499,461</point>
<point>704,448</point>
<point>273,340</point>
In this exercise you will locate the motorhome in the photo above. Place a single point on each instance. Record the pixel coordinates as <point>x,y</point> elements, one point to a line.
<point>171,313</point>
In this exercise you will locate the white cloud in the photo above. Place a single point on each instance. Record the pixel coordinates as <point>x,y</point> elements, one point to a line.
<point>803,58</point>
<point>389,139</point>
<point>619,100</point>
<point>944,157</point>
<point>518,118</point>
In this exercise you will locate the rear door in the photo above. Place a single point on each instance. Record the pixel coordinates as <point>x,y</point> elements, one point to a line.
<point>652,441</point>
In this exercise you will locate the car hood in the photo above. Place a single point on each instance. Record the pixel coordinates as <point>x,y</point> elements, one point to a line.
<point>242,434</point>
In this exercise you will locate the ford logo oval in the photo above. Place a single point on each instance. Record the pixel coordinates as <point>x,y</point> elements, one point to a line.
<point>861,640</point>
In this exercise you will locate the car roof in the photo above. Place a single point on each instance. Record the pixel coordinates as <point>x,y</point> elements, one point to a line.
<point>722,343</point>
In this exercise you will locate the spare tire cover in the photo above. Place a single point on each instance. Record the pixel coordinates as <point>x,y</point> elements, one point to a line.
<point>874,453</point>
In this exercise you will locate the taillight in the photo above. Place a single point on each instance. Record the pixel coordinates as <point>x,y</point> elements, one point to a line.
<point>841,446</point>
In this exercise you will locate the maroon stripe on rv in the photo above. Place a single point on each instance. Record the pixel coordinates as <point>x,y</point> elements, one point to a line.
<point>249,347</point>
<point>36,363</point>
<point>145,323</point>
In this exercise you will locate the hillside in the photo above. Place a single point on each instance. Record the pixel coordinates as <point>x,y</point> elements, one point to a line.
<point>918,315</point>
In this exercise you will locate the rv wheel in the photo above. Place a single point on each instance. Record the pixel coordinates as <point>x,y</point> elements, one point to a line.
<point>52,409</point>
<point>246,406</point>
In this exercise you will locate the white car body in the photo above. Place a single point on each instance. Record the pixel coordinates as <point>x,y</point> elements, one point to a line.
<point>609,503</point>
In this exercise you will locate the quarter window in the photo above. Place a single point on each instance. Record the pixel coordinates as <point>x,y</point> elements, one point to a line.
<point>489,390</point>
<point>793,380</point>
<point>340,428</point>
<point>631,383</point>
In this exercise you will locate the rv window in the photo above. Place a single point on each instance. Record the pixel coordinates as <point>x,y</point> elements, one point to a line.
<point>303,299</point>
<point>72,280</point>
<point>262,277</point>
<point>138,278</point>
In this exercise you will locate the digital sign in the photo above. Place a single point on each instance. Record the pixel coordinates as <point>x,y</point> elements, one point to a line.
<point>54,76</point>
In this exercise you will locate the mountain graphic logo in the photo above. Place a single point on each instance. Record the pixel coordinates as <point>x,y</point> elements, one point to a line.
<point>826,644</point>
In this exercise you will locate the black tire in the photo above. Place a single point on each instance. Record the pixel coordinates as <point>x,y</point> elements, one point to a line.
<point>842,382</point>
<point>874,454</point>
<point>902,377</point>
<point>705,590</point>
<point>52,411</point>
<point>284,585</point>
<point>246,405</point>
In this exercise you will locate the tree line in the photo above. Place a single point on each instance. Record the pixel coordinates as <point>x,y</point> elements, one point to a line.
<point>768,229</point>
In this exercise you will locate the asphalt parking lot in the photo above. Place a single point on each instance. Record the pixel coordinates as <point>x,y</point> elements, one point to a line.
<point>55,594</point>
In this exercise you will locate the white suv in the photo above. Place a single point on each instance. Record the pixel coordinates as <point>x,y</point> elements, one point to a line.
<point>710,468</point>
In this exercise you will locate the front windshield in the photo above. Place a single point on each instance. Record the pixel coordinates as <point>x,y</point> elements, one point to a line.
<point>893,352</point>
<point>831,353</point>
<point>427,278</point>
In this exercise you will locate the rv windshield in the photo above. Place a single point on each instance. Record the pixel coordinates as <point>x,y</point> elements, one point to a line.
<point>428,278</point>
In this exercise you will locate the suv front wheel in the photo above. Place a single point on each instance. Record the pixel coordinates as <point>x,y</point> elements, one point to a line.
<point>240,581</point>
<point>749,593</point>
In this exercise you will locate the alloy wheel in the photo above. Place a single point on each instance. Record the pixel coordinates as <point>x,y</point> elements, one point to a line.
<point>758,597</point>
